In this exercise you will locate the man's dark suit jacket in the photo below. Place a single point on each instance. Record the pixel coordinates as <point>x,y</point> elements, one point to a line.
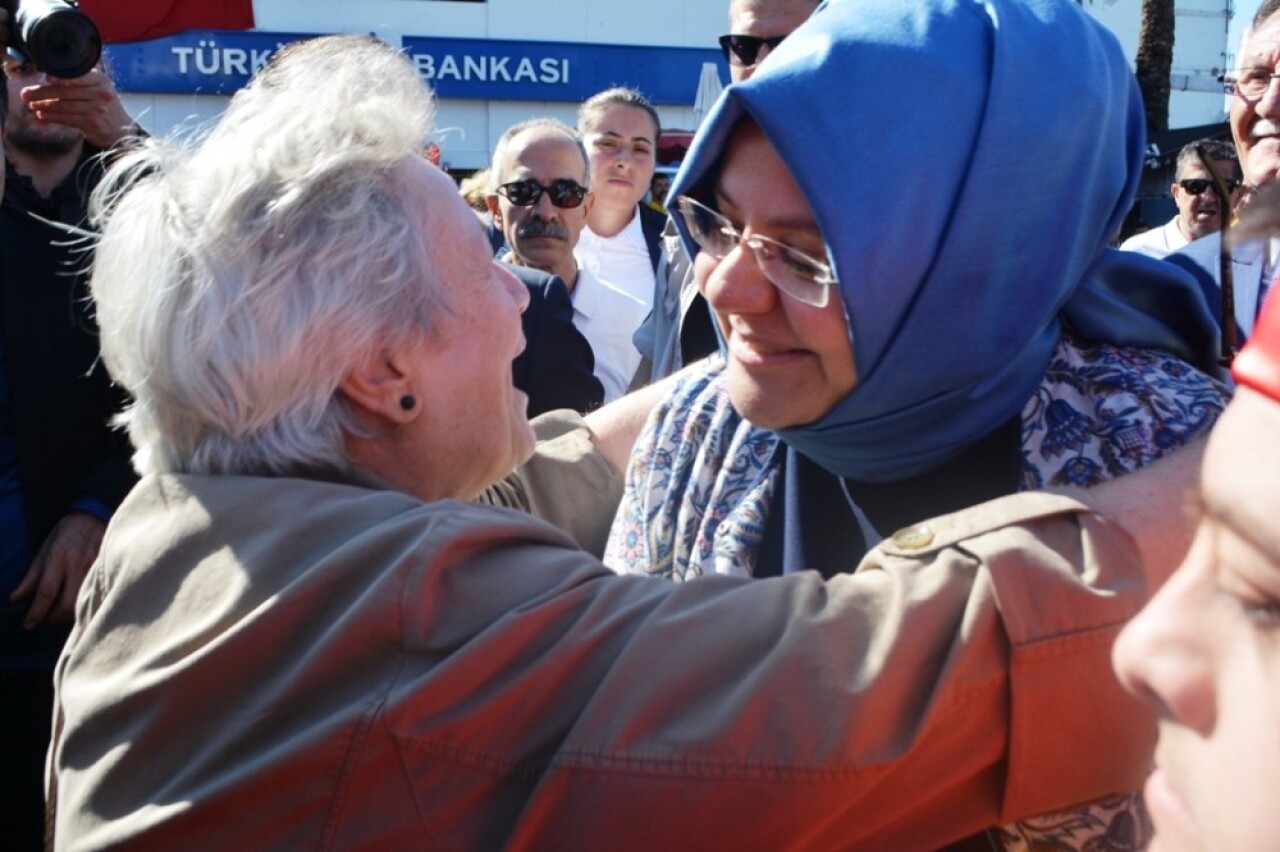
<point>61,394</point>
<point>651,224</point>
<point>556,368</point>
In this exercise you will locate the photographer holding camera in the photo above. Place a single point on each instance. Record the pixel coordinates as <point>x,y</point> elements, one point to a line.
<point>62,469</point>
<point>63,111</point>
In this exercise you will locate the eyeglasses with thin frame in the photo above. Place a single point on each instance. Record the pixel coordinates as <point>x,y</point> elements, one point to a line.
<point>1249,83</point>
<point>801,276</point>
<point>1195,186</point>
<point>565,193</point>
<point>744,50</point>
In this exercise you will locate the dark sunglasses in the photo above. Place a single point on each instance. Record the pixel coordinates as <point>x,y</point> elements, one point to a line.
<point>525,193</point>
<point>1195,186</point>
<point>743,50</point>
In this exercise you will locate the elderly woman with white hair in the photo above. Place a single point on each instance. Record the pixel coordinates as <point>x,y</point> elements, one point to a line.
<point>297,635</point>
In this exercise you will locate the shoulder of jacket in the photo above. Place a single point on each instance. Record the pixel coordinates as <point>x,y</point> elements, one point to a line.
<point>927,537</point>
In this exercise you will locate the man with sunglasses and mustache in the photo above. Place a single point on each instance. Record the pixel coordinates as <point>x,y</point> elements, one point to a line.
<point>678,330</point>
<point>540,202</point>
<point>1199,208</point>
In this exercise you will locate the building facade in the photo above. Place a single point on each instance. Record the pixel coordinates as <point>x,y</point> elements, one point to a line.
<point>496,62</point>
<point>492,63</point>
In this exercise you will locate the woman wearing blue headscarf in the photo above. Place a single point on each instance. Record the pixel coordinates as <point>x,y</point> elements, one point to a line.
<point>901,222</point>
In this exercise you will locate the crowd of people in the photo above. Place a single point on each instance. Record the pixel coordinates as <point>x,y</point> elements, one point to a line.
<point>838,526</point>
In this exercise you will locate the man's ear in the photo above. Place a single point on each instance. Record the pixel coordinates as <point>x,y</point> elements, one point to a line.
<point>588,203</point>
<point>495,212</point>
<point>376,387</point>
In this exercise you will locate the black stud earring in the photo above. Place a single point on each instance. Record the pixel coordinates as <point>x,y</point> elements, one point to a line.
<point>407,402</point>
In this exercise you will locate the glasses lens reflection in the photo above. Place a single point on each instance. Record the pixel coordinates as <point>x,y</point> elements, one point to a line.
<point>744,50</point>
<point>564,193</point>
<point>799,276</point>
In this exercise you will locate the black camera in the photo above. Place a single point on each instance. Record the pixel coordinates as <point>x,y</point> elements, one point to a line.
<point>55,35</point>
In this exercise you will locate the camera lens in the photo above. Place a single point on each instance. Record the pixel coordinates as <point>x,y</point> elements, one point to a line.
<point>61,41</point>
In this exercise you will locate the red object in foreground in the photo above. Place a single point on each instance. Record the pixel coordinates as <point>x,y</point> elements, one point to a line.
<point>1258,365</point>
<point>137,20</point>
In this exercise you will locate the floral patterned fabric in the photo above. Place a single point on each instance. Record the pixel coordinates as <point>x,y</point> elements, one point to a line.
<point>697,489</point>
<point>701,479</point>
<point>1114,824</point>
<point>1104,411</point>
<point>701,482</point>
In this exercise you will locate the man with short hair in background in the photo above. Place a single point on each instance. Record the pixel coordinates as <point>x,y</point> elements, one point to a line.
<point>659,186</point>
<point>1200,211</point>
<point>540,178</point>
<point>54,137</point>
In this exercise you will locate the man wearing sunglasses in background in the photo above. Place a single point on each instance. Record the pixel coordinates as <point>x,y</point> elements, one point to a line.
<point>539,199</point>
<point>1255,125</point>
<point>679,331</point>
<point>1199,209</point>
<point>556,370</point>
<point>756,27</point>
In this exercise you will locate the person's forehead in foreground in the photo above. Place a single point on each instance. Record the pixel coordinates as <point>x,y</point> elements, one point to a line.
<point>1206,650</point>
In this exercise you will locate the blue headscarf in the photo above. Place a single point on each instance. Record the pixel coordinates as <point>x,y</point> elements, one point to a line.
<point>999,144</point>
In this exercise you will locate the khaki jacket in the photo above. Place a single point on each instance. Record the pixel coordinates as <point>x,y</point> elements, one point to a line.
<point>291,664</point>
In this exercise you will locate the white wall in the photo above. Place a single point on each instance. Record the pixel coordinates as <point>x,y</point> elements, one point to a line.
<point>1204,47</point>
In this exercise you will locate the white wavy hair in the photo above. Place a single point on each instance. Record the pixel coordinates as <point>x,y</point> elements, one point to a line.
<point>240,276</point>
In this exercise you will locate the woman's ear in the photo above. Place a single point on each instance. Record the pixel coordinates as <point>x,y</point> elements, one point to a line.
<point>382,387</point>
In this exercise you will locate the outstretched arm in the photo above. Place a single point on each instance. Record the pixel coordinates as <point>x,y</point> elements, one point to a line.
<point>615,427</point>
<point>1155,505</point>
<point>574,479</point>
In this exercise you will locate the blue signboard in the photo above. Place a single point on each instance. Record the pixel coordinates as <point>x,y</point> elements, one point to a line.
<point>220,62</point>
<point>487,69</point>
<point>205,62</point>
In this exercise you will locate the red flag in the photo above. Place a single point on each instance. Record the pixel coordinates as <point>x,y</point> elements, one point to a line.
<point>136,20</point>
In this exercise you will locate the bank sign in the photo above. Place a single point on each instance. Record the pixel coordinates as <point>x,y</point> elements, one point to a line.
<point>220,62</point>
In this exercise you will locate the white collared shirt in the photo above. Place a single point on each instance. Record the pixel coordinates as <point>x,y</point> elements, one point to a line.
<point>607,318</point>
<point>1157,242</point>
<point>622,260</point>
